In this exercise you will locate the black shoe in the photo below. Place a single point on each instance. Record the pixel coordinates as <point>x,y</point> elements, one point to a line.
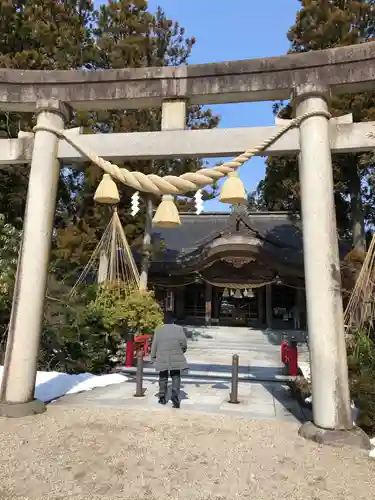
<point>176,403</point>
<point>162,401</point>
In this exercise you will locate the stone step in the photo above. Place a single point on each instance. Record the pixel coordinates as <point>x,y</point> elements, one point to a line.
<point>273,375</point>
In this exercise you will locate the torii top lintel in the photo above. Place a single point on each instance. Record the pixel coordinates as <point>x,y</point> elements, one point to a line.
<point>342,69</point>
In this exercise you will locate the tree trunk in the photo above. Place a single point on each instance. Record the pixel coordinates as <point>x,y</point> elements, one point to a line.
<point>146,251</point>
<point>357,216</point>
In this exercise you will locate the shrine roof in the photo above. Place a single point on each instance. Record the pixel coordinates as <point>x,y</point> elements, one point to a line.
<point>279,229</point>
<point>275,238</point>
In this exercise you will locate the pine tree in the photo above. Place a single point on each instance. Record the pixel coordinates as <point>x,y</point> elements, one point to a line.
<point>69,34</point>
<point>127,35</point>
<point>322,24</point>
<point>38,34</point>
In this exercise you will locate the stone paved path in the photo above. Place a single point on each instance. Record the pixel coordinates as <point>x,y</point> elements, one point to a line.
<point>257,401</point>
<point>206,387</point>
<point>210,350</point>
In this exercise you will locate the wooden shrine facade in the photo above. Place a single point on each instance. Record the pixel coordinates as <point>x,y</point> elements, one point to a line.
<point>241,268</point>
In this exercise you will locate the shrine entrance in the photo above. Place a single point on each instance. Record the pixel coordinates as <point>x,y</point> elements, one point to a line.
<point>247,272</point>
<point>239,308</point>
<point>228,307</point>
<point>308,79</point>
<point>270,306</point>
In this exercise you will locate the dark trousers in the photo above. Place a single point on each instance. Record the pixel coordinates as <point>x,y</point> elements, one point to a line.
<point>176,384</point>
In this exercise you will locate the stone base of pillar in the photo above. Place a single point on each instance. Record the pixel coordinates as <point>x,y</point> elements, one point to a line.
<point>353,438</point>
<point>19,410</point>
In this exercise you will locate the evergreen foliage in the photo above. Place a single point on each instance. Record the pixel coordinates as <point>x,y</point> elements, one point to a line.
<point>322,25</point>
<point>9,245</point>
<point>87,334</point>
<point>73,34</point>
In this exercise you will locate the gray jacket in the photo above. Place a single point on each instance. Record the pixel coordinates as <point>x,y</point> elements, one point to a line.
<point>168,347</point>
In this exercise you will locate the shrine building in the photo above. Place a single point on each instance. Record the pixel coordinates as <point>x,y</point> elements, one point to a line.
<point>242,268</point>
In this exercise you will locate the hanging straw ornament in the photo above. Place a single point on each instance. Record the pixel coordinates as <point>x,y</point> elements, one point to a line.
<point>233,190</point>
<point>107,192</point>
<point>166,215</point>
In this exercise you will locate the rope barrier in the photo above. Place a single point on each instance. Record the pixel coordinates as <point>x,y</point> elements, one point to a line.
<point>237,286</point>
<point>234,286</point>
<point>171,184</point>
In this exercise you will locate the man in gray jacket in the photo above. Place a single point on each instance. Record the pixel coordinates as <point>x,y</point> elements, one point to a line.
<point>168,347</point>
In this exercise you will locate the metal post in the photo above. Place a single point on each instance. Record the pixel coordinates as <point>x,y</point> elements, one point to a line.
<point>234,390</point>
<point>284,351</point>
<point>139,391</point>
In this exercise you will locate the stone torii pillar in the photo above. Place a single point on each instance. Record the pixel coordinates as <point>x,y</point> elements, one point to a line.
<point>18,383</point>
<point>329,371</point>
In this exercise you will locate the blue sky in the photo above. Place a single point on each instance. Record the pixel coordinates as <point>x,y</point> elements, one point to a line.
<point>224,31</point>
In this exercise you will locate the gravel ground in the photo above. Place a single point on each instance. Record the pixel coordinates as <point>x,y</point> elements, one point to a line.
<point>97,453</point>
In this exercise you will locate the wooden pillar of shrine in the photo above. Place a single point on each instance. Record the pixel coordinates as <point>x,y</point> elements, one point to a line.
<point>208,305</point>
<point>269,306</point>
<point>180,303</point>
<point>260,303</point>
<point>215,305</point>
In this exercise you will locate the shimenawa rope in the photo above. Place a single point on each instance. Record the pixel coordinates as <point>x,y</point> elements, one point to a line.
<point>171,184</point>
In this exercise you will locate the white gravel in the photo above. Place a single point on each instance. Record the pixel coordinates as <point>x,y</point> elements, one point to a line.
<point>81,453</point>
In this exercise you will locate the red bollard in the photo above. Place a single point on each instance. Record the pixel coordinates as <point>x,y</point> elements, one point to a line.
<point>129,358</point>
<point>284,352</point>
<point>293,359</point>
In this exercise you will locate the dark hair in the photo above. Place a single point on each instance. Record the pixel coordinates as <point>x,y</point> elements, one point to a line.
<point>168,318</point>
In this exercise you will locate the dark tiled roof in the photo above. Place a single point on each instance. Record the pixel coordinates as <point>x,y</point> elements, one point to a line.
<point>193,232</point>
<point>278,228</point>
<point>184,247</point>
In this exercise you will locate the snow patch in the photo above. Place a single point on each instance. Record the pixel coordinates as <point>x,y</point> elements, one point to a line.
<point>305,369</point>
<point>52,385</point>
<point>372,451</point>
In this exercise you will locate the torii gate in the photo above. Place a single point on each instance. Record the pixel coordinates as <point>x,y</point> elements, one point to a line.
<point>308,78</point>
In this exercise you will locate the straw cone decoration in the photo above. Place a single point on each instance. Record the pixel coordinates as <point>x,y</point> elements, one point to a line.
<point>233,190</point>
<point>166,215</point>
<point>112,261</point>
<point>107,192</point>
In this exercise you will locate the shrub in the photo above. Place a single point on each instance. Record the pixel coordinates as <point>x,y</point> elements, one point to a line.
<point>88,334</point>
<point>363,394</point>
<point>301,389</point>
<point>361,363</point>
<point>9,246</point>
<point>140,313</point>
